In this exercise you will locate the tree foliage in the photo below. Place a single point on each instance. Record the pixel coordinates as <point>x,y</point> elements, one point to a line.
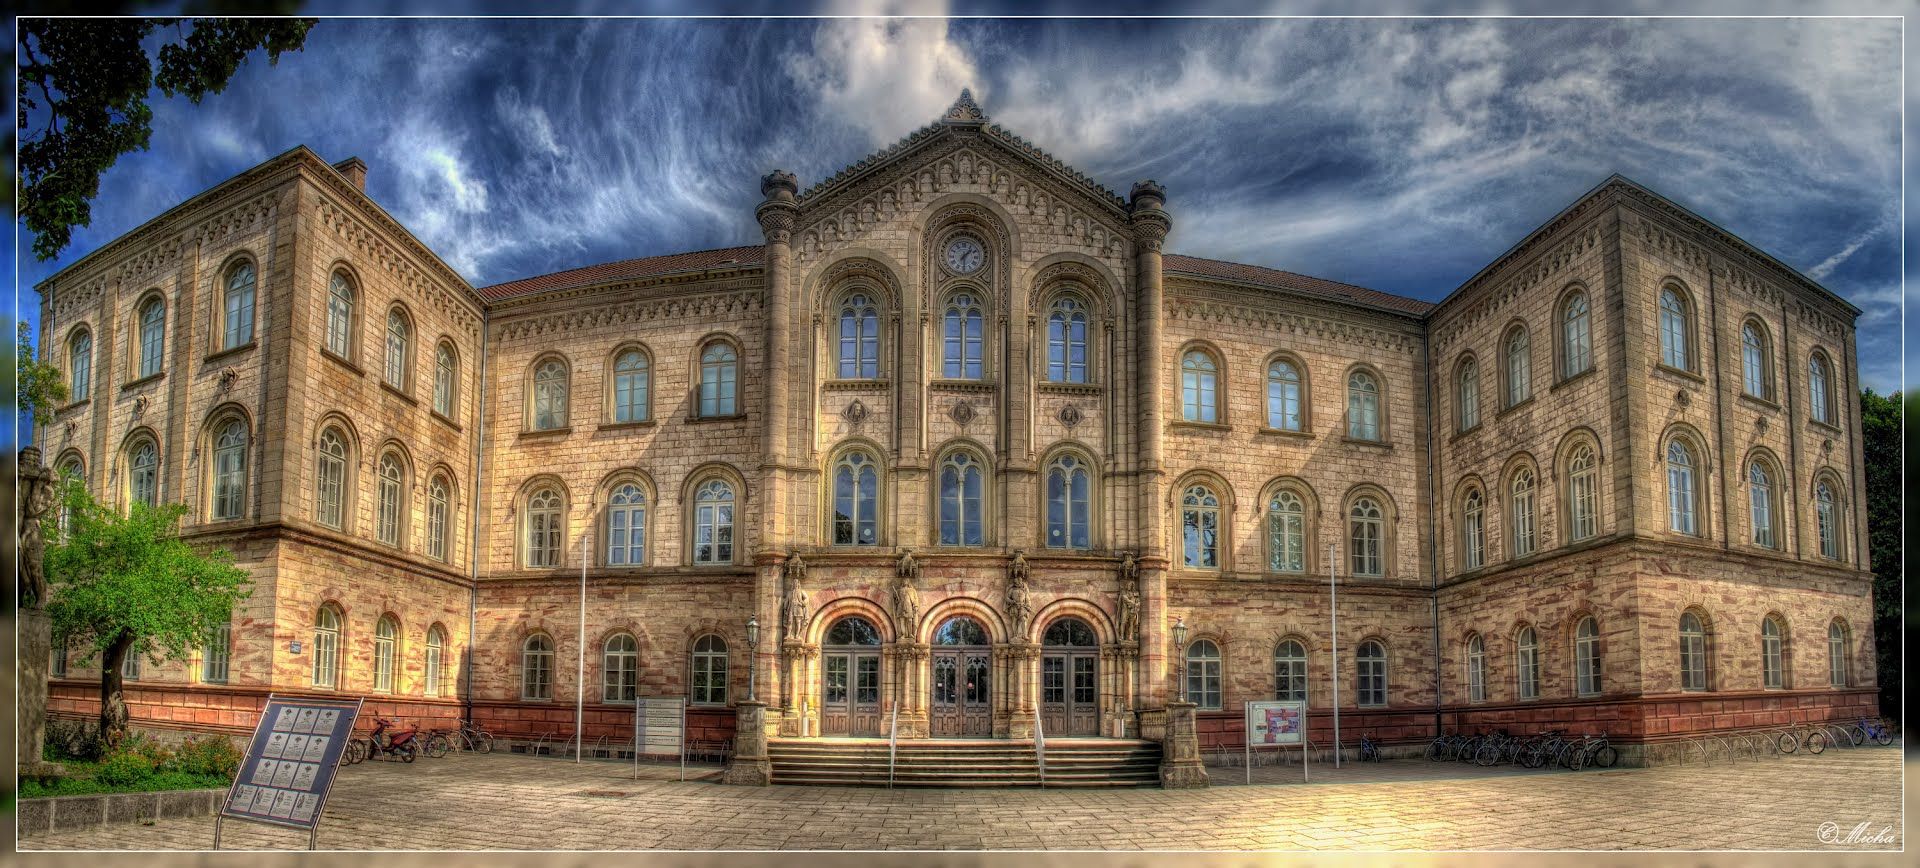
<point>128,584</point>
<point>1880,428</point>
<point>39,386</point>
<point>81,99</point>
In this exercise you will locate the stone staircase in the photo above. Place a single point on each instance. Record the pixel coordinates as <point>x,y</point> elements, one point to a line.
<point>1076,762</point>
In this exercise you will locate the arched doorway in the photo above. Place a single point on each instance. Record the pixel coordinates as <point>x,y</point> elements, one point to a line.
<point>850,678</point>
<point>962,688</point>
<point>1069,661</point>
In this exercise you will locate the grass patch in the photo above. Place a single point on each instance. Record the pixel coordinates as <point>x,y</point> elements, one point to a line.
<point>81,780</point>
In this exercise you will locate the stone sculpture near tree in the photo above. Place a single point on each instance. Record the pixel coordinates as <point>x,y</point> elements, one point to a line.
<point>36,629</point>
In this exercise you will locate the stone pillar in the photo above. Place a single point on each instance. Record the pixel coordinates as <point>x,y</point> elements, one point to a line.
<point>793,662</point>
<point>914,722</point>
<point>1022,663</point>
<point>776,214</point>
<point>1153,651</point>
<point>1151,223</point>
<point>750,766</point>
<point>36,629</point>
<point>1180,766</point>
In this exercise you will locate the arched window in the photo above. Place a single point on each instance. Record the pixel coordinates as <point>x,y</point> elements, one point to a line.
<point>80,366</point>
<point>719,377</point>
<point>1067,341</point>
<point>436,661</point>
<point>1200,528</point>
<point>385,633</point>
<point>1069,632</point>
<point>229,470</point>
<point>326,647</point>
<point>960,630</point>
<point>392,509</point>
<point>1576,336</point>
<point>1476,668</point>
<point>544,521</point>
<point>1284,404</point>
<point>710,670</point>
<point>1366,531</point>
<point>153,337</point>
<point>620,668</point>
<point>1520,511</point>
<point>536,667</point>
<point>1819,396</point>
<point>713,523</point>
<point>963,349</point>
<point>550,395</point>
<point>1676,328</point>
<point>216,655</point>
<point>1680,488</point>
<point>238,306</point>
<point>1586,657</point>
<point>1583,494</point>
<point>859,338</point>
<point>1826,518</point>
<point>1756,362</point>
<point>1363,406</point>
<point>340,316</point>
<point>961,487</point>
<point>399,349</point>
<point>1469,395</point>
<point>1199,387</point>
<point>1837,653</point>
<point>627,526</point>
<point>330,480</point>
<point>439,513</point>
<point>1473,530</point>
<point>445,375</point>
<point>70,469</point>
<point>1286,533</point>
<point>1290,671</point>
<point>1526,659</point>
<point>1203,674</point>
<point>632,381</point>
<point>1772,633</point>
<point>1370,673</point>
<point>143,474</point>
<point>856,500</point>
<point>1069,504</point>
<point>852,631</point>
<point>1693,653</point>
<point>1519,367</point>
<point>1760,494</point>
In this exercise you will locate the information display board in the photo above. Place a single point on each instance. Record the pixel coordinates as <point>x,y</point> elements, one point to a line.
<point>290,764</point>
<point>1273,722</point>
<point>660,729</point>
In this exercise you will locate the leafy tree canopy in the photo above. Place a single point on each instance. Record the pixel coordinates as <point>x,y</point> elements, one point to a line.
<point>1880,431</point>
<point>39,386</point>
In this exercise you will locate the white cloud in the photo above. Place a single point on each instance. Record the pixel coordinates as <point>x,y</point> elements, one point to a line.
<point>885,77</point>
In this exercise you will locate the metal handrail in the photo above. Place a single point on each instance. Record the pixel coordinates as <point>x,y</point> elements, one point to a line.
<point>893,744</point>
<point>1040,747</point>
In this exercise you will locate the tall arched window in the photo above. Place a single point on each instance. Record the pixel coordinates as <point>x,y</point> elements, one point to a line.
<point>536,667</point>
<point>1756,363</point>
<point>1586,657</point>
<point>1069,504</point>
<point>1526,659</point>
<point>1519,367</point>
<point>80,366</point>
<point>439,514</point>
<point>326,647</point>
<point>1469,395</point>
<point>719,378</point>
<point>1676,329</point>
<point>445,376</point>
<point>1284,405</point>
<point>1583,494</point>
<point>1680,488</point>
<point>1693,653</point>
<point>399,349</point>
<point>1363,406</point>
<point>859,338</point>
<point>1826,518</point>
<point>1476,668</point>
<point>1772,653</point>
<point>709,670</point>
<point>1370,673</point>
<point>1286,533</point>
<point>385,634</point>
<point>229,470</point>
<point>1199,387</point>
<point>1200,528</point>
<point>1067,341</point>
<point>627,526</point>
<point>1290,671</point>
<point>153,337</point>
<point>1576,336</point>
<point>1203,674</point>
<point>632,381</point>
<point>1819,395</point>
<point>1366,531</point>
<point>436,661</point>
<point>550,395</point>
<point>620,668</point>
<point>1760,494</point>
<point>238,306</point>
<point>391,508</point>
<point>856,500</point>
<point>713,523</point>
<point>143,474</point>
<point>1520,511</point>
<point>216,655</point>
<point>340,298</point>
<point>961,505</point>
<point>544,520</point>
<point>963,349</point>
<point>1837,654</point>
<point>1473,530</point>
<point>330,480</point>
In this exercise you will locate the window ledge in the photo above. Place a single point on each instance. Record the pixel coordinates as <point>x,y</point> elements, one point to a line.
<point>1375,444</point>
<point>442,419</point>
<point>217,355</point>
<point>73,406</point>
<point>1664,368</point>
<point>1514,406</point>
<point>1302,434</point>
<point>1828,427</point>
<point>1762,403</point>
<point>396,391</point>
<point>1184,425</point>
<point>622,426</point>
<point>731,417</point>
<point>150,378</point>
<point>561,431</point>
<point>1463,433</point>
<point>946,384</point>
<point>1570,379</point>
<point>342,361</point>
<point>856,384</point>
<point>1070,388</point>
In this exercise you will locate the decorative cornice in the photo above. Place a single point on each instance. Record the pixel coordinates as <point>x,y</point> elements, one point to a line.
<point>740,302</point>
<point>464,312</point>
<point>1246,315</point>
<point>1548,264</point>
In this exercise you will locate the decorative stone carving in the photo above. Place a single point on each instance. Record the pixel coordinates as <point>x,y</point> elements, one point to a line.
<point>36,498</point>
<point>1070,416</point>
<point>1682,398</point>
<point>906,604</point>
<point>962,413</point>
<point>1129,598</point>
<point>908,567</point>
<point>35,629</point>
<point>229,377</point>
<point>855,413</point>
<point>796,596</point>
<point>1019,594</point>
<point>140,406</point>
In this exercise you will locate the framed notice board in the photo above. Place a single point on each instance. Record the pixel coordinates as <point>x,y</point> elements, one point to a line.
<point>290,764</point>
<point>660,728</point>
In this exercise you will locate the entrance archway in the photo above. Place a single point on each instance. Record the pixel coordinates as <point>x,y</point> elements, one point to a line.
<point>850,678</point>
<point>1069,675</point>
<point>962,680</point>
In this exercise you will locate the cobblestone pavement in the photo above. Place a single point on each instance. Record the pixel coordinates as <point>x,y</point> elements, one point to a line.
<point>522,803</point>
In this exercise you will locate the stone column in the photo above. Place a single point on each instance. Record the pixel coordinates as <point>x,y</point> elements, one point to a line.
<point>776,214</point>
<point>913,718</point>
<point>750,766</point>
<point>792,671</point>
<point>1023,658</point>
<point>1151,223</point>
<point>1180,766</point>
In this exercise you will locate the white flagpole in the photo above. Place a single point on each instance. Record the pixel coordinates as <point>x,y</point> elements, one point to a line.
<point>1333,611</point>
<point>580,675</point>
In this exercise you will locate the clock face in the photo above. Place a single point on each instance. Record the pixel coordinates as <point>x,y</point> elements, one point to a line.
<point>964,256</point>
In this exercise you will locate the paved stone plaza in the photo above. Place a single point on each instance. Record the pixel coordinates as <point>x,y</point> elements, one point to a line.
<point>520,803</point>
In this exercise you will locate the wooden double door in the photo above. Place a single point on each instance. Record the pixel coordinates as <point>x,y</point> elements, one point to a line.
<point>1069,692</point>
<point>962,692</point>
<point>850,692</point>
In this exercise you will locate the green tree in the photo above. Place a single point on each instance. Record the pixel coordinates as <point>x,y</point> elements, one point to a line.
<point>128,584</point>
<point>39,386</point>
<point>1880,428</point>
<point>81,99</point>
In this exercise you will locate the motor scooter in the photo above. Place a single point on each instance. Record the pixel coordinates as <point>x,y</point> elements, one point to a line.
<point>388,740</point>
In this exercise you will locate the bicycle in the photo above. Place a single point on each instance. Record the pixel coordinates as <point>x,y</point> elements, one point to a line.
<point>473,738</point>
<point>1874,729</point>
<point>437,743</point>
<point>1369,749</point>
<point>1595,750</point>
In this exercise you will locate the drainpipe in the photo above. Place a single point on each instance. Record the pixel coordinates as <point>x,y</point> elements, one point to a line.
<point>473,544</point>
<point>1433,538</point>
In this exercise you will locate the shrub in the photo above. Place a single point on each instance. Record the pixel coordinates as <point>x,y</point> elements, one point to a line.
<point>212,755</point>
<point>147,747</point>
<point>124,769</point>
<point>72,740</point>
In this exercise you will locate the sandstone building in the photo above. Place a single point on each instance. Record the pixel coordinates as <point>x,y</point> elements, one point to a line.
<point>967,445</point>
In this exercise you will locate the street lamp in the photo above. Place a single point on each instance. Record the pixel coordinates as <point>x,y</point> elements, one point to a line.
<point>1180,647</point>
<point>753,647</point>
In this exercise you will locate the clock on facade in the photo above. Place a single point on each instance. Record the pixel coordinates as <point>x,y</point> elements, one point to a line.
<point>964,256</point>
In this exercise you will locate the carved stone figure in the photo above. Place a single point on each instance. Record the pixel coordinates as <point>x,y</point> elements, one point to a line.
<point>908,566</point>
<point>36,498</point>
<point>1019,597</point>
<point>1129,610</point>
<point>35,628</point>
<point>906,604</point>
<point>796,597</point>
<point>1129,568</point>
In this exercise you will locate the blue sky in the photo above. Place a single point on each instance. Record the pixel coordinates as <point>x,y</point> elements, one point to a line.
<point>1397,154</point>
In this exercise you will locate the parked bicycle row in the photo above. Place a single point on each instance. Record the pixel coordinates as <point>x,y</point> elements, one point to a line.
<point>1812,738</point>
<point>388,741</point>
<point>1551,748</point>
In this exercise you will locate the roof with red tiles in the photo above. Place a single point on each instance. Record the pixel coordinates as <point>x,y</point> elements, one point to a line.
<point>626,269</point>
<point>1287,280</point>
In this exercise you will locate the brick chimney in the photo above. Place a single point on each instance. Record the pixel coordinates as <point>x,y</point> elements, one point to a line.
<point>355,170</point>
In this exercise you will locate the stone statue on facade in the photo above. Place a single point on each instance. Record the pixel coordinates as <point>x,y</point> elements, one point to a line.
<point>796,597</point>
<point>35,636</point>
<point>36,499</point>
<point>1019,595</point>
<point>906,602</point>
<point>908,567</point>
<point>1129,597</point>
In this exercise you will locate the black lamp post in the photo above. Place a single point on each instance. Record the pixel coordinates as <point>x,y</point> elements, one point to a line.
<point>753,658</point>
<point>1180,648</point>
